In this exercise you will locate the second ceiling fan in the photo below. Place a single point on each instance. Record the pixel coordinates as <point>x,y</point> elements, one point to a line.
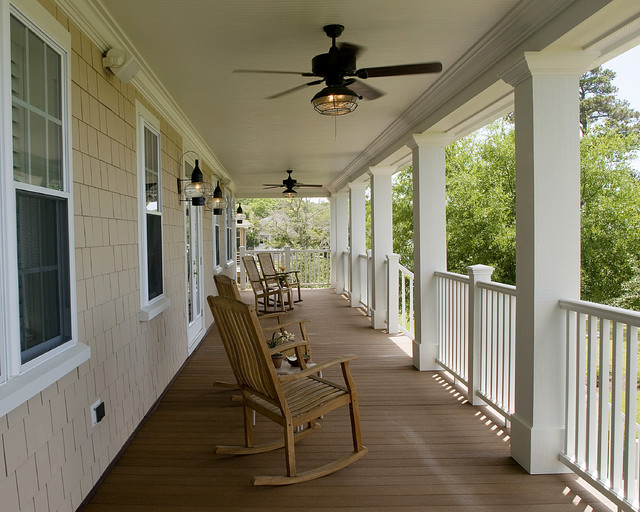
<point>337,69</point>
<point>289,185</point>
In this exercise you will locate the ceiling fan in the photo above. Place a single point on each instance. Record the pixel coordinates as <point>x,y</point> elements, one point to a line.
<point>289,185</point>
<point>337,68</point>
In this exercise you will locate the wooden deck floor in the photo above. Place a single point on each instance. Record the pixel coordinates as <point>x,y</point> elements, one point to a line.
<point>428,450</point>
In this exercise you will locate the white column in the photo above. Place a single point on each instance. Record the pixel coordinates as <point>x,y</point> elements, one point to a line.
<point>381,239</point>
<point>547,247</point>
<point>332,242</point>
<point>358,246</point>
<point>342,238</point>
<point>430,241</point>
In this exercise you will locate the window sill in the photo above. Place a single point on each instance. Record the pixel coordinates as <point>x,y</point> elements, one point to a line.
<point>150,312</point>
<point>21,388</point>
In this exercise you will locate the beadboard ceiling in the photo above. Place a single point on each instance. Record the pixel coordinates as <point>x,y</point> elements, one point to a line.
<point>192,47</point>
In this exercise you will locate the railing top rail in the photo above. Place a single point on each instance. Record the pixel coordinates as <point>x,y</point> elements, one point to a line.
<point>405,270</point>
<point>452,276</point>
<point>283,250</point>
<point>497,287</point>
<point>626,316</point>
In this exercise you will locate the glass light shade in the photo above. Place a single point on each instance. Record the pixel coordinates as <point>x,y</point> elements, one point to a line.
<point>216,203</point>
<point>289,193</point>
<point>198,189</point>
<point>335,100</point>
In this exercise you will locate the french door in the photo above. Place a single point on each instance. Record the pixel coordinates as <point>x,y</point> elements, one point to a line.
<point>195,290</point>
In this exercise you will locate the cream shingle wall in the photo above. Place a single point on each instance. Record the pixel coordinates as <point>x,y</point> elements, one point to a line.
<point>52,456</point>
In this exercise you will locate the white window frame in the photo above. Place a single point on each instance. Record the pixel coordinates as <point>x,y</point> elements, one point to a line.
<point>20,382</point>
<point>217,267</point>
<point>149,309</point>
<point>230,239</point>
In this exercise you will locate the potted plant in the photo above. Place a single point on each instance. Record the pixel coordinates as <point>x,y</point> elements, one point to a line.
<point>278,338</point>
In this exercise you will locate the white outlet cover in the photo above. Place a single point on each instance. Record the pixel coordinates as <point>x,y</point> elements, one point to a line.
<point>94,418</point>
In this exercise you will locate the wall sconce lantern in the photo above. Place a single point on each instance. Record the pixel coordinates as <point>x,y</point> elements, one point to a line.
<point>197,189</point>
<point>217,203</point>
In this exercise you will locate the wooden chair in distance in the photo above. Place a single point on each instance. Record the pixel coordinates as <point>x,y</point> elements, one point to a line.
<point>269,270</point>
<point>227,287</point>
<point>264,290</point>
<point>293,400</point>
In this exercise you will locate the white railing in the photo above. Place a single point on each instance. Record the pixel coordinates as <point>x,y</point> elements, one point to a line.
<point>601,399</point>
<point>453,338</point>
<point>406,323</point>
<point>313,265</point>
<point>497,346</point>
<point>363,271</point>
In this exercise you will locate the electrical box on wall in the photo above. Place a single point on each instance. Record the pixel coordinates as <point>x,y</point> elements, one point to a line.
<point>97,412</point>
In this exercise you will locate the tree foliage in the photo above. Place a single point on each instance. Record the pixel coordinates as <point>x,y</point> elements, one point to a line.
<point>480,171</point>
<point>298,223</point>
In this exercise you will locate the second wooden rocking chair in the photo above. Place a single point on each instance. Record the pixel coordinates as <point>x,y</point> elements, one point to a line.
<point>293,400</point>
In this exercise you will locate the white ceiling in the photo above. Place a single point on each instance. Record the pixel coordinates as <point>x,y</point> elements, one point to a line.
<point>193,46</point>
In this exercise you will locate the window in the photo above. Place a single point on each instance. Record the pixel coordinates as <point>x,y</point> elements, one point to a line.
<point>36,229</point>
<point>152,297</point>
<point>230,226</point>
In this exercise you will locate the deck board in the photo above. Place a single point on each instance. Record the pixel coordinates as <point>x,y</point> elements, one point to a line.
<point>429,450</point>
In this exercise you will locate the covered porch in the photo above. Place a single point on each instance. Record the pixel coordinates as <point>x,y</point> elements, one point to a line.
<point>430,449</point>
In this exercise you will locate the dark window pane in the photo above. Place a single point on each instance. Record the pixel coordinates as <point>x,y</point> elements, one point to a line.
<point>154,255</point>
<point>43,273</point>
<point>37,84</point>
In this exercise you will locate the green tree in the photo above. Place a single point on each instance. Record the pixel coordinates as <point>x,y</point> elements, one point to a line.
<point>601,109</point>
<point>298,223</point>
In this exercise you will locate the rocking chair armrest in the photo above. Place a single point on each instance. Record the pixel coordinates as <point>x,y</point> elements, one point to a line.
<point>274,328</point>
<point>313,370</point>
<point>288,346</point>
<point>268,316</point>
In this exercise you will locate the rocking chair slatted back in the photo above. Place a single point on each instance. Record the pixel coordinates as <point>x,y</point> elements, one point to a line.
<point>226,287</point>
<point>246,347</point>
<point>261,289</point>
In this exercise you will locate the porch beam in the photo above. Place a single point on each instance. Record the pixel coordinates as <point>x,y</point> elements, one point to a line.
<point>547,247</point>
<point>429,238</point>
<point>381,240</point>
<point>357,224</point>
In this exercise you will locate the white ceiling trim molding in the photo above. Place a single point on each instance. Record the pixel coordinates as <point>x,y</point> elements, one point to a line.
<point>93,19</point>
<point>475,71</point>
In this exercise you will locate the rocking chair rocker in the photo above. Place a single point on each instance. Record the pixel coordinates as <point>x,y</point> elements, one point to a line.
<point>293,400</point>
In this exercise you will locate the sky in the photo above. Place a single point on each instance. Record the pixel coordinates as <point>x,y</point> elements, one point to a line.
<point>627,68</point>
<point>627,80</point>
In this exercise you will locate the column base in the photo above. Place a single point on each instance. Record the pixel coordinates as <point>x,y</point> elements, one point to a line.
<point>379,318</point>
<point>537,449</point>
<point>424,356</point>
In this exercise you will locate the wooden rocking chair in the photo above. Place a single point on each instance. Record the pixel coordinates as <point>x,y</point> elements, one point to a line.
<point>294,400</point>
<point>265,290</point>
<point>269,272</point>
<point>227,287</point>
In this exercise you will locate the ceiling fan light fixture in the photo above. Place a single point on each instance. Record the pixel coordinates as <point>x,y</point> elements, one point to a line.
<point>335,100</point>
<point>289,193</point>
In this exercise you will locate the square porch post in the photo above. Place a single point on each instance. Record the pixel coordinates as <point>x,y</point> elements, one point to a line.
<point>342,239</point>
<point>547,247</point>
<point>430,241</point>
<point>357,223</point>
<point>381,240</point>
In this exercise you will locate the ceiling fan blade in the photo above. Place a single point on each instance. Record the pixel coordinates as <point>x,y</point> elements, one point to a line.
<point>293,89</point>
<point>271,185</point>
<point>303,185</point>
<point>299,73</point>
<point>350,50</point>
<point>404,69</point>
<point>365,90</point>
